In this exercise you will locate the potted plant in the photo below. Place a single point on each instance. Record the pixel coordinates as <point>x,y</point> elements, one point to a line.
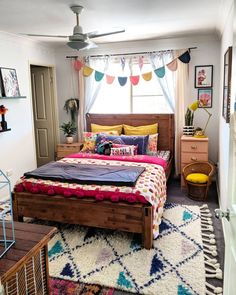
<point>69,130</point>
<point>188,129</point>
<point>72,106</point>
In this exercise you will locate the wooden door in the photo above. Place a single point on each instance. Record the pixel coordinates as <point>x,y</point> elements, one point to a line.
<point>230,222</point>
<point>41,81</point>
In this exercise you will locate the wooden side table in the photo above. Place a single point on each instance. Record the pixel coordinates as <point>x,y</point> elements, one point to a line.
<point>24,268</point>
<point>193,149</point>
<point>65,149</point>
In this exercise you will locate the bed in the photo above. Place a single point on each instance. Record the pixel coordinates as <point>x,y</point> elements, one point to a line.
<point>132,217</point>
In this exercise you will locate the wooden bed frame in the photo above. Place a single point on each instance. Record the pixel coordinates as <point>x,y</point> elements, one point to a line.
<point>136,218</point>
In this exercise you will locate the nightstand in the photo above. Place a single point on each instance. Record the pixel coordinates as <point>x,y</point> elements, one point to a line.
<point>65,149</point>
<point>193,149</point>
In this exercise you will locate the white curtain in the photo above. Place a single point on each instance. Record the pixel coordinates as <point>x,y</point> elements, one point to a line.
<point>92,87</point>
<point>181,93</point>
<point>167,83</point>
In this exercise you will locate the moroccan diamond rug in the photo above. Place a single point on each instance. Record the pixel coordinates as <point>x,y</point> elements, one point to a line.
<point>182,259</point>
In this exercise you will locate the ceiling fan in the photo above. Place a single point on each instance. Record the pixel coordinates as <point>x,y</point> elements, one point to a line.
<point>80,40</point>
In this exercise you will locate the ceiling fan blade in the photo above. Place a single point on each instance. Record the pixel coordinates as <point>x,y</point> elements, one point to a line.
<point>48,36</point>
<point>96,34</point>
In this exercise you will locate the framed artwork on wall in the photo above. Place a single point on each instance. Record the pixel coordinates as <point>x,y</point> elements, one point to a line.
<point>227,84</point>
<point>204,76</point>
<point>205,98</point>
<point>10,86</point>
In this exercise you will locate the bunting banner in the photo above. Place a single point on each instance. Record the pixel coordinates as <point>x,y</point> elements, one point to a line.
<point>134,80</point>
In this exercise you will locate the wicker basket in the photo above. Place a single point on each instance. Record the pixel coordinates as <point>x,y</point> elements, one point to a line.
<point>198,191</point>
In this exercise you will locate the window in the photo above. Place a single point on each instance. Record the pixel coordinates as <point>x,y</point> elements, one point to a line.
<point>145,97</point>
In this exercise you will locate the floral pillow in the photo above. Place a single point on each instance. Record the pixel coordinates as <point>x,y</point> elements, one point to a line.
<point>152,145</point>
<point>89,142</point>
<point>127,150</point>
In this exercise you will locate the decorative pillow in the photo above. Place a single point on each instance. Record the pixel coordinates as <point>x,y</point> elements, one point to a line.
<point>141,141</point>
<point>117,145</point>
<point>127,150</point>
<point>90,140</point>
<point>101,129</point>
<point>104,148</point>
<point>152,145</point>
<point>140,130</point>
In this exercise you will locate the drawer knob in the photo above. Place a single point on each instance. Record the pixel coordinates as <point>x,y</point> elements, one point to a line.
<point>194,158</point>
<point>193,147</point>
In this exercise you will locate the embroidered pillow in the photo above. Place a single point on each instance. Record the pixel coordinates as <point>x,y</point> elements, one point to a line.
<point>103,148</point>
<point>140,130</point>
<point>123,151</point>
<point>117,145</point>
<point>152,145</point>
<point>141,141</point>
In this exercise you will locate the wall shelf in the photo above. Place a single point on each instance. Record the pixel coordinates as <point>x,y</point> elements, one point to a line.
<point>12,97</point>
<point>5,130</point>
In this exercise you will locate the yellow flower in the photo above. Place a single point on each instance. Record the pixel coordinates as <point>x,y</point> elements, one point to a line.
<point>194,105</point>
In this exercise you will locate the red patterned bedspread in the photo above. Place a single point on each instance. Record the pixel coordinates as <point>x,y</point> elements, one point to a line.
<point>150,186</point>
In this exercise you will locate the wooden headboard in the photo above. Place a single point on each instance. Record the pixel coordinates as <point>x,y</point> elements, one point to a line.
<point>165,125</point>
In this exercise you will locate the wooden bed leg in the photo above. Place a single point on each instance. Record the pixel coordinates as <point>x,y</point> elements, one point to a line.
<point>16,217</point>
<point>147,228</point>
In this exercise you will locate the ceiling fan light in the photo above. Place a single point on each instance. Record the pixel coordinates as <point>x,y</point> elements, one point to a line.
<point>77,44</point>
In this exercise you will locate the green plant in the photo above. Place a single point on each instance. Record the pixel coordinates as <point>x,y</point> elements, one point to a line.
<point>190,113</point>
<point>72,106</point>
<point>69,129</point>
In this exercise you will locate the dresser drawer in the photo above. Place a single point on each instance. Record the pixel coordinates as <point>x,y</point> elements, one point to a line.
<point>192,157</point>
<point>191,146</point>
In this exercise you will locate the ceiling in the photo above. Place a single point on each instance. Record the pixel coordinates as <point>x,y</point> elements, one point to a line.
<point>142,19</point>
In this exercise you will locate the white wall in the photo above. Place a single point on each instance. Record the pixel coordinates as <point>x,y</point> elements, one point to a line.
<point>226,41</point>
<point>17,147</point>
<point>207,52</point>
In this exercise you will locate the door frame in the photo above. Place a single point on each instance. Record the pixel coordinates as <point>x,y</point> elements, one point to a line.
<point>52,71</point>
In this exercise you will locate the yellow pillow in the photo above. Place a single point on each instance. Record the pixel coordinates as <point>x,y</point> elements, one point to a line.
<point>100,128</point>
<point>197,178</point>
<point>140,130</point>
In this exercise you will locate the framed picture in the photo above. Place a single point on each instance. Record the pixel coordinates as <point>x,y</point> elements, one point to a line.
<point>10,87</point>
<point>205,98</point>
<point>227,84</point>
<point>203,76</point>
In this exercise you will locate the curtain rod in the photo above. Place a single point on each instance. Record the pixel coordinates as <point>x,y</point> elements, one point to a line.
<point>124,54</point>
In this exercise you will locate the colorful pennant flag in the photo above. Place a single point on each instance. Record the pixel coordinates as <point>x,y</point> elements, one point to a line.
<point>87,71</point>
<point>110,79</point>
<point>147,76</point>
<point>185,57</point>
<point>98,76</point>
<point>160,72</point>
<point>173,65</point>
<point>78,65</point>
<point>134,80</point>
<point>140,62</point>
<point>122,80</point>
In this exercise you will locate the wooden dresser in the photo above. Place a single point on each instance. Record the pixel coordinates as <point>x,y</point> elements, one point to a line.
<point>65,149</point>
<point>193,149</point>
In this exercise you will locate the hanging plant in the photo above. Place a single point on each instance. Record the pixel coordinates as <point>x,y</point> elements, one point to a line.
<point>72,106</point>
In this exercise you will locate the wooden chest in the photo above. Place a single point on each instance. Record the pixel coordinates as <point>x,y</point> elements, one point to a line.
<point>65,149</point>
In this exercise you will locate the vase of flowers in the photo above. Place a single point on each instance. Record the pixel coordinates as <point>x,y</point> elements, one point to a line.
<point>188,129</point>
<point>69,130</point>
<point>3,111</point>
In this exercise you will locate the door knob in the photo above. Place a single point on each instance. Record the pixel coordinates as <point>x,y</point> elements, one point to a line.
<point>222,214</point>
